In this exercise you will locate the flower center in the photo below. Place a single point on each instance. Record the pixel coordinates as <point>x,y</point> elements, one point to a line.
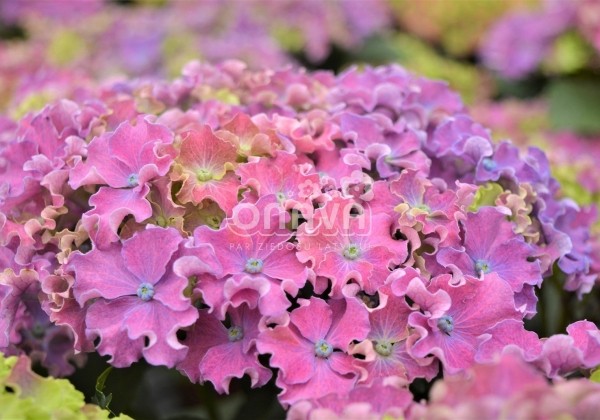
<point>133,180</point>
<point>204,175</point>
<point>422,207</point>
<point>323,349</point>
<point>214,222</point>
<point>352,252</point>
<point>489,164</point>
<point>482,267</point>
<point>384,348</point>
<point>281,197</point>
<point>253,265</point>
<point>235,334</point>
<point>446,324</point>
<point>145,291</point>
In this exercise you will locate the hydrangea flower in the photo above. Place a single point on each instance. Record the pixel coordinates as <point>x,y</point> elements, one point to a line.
<point>310,349</point>
<point>509,387</point>
<point>136,304</point>
<point>360,231</point>
<point>517,43</point>
<point>204,168</point>
<point>259,264</point>
<point>218,353</point>
<point>450,323</point>
<point>125,160</point>
<point>491,246</point>
<point>385,349</point>
<point>343,246</point>
<point>290,181</point>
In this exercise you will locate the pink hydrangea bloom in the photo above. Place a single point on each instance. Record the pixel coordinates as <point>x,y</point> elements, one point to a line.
<point>126,158</point>
<point>247,136</point>
<point>382,399</point>
<point>135,302</point>
<point>424,207</point>
<point>343,246</point>
<point>510,387</point>
<point>385,348</point>
<point>466,311</point>
<point>490,246</point>
<point>204,168</point>
<point>339,222</point>
<point>293,183</point>
<point>392,148</point>
<point>310,349</point>
<point>259,264</point>
<point>219,354</point>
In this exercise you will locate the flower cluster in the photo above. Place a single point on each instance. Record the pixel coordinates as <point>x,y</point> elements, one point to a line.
<point>353,232</point>
<point>105,39</point>
<point>517,44</point>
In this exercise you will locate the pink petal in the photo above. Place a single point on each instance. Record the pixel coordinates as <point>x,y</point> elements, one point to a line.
<point>313,319</point>
<point>291,353</point>
<point>105,320</point>
<point>350,321</point>
<point>102,273</point>
<point>159,324</point>
<point>111,206</point>
<point>148,252</point>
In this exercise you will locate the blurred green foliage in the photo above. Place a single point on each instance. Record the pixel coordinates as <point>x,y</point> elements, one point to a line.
<point>575,104</point>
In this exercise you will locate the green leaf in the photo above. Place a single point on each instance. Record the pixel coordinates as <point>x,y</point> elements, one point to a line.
<point>27,395</point>
<point>100,398</point>
<point>595,377</point>
<point>570,53</point>
<point>376,50</point>
<point>575,105</point>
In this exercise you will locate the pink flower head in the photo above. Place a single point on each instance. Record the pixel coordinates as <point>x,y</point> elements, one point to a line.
<point>126,158</point>
<point>458,144</point>
<point>135,302</point>
<point>308,133</point>
<point>391,148</point>
<point>469,310</point>
<point>562,354</point>
<point>491,246</point>
<point>337,164</point>
<point>203,166</point>
<point>489,391</point>
<point>344,246</point>
<point>219,354</point>
<point>259,263</point>
<point>518,42</point>
<point>247,137</point>
<point>426,208</point>
<point>384,398</point>
<point>385,347</point>
<point>293,183</point>
<point>509,335</point>
<point>311,349</point>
